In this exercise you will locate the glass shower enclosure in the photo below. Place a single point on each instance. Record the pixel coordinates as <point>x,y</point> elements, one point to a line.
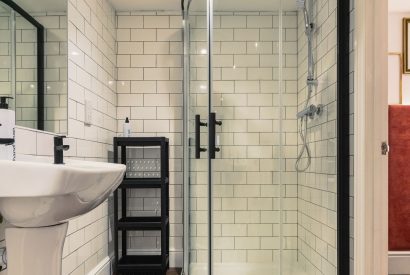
<point>247,209</point>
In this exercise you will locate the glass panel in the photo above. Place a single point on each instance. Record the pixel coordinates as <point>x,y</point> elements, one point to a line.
<point>270,60</point>
<point>317,183</point>
<point>288,82</point>
<point>196,85</point>
<point>246,173</point>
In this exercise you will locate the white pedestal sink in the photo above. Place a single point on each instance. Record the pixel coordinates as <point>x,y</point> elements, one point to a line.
<point>40,198</point>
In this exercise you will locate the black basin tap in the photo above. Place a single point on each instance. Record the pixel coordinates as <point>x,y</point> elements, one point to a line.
<point>59,149</point>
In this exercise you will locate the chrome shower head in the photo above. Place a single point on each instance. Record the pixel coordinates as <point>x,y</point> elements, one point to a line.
<point>301,5</point>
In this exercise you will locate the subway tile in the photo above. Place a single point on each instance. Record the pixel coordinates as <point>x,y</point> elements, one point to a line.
<point>143,35</point>
<point>234,73</point>
<point>156,47</point>
<point>143,113</point>
<point>259,22</point>
<point>130,48</point>
<point>156,100</point>
<point>246,35</point>
<point>130,74</point>
<point>247,243</point>
<point>156,21</point>
<point>233,22</point>
<point>130,22</point>
<point>233,48</point>
<point>152,126</point>
<point>169,35</point>
<point>124,35</point>
<point>143,87</point>
<point>246,61</point>
<point>156,74</point>
<point>169,61</point>
<point>143,61</point>
<point>130,99</point>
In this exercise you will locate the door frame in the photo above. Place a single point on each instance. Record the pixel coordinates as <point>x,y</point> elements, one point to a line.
<point>344,130</point>
<point>343,137</point>
<point>370,130</point>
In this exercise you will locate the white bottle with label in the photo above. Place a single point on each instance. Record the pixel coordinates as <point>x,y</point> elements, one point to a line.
<point>127,128</point>
<point>7,125</point>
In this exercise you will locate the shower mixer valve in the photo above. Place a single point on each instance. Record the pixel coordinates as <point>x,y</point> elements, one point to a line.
<point>312,82</point>
<point>311,111</point>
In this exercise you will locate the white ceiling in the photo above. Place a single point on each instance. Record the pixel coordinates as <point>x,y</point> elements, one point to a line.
<point>399,5</point>
<point>42,5</point>
<point>220,5</point>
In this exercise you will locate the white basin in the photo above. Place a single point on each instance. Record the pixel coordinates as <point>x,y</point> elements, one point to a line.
<point>34,194</point>
<point>40,198</point>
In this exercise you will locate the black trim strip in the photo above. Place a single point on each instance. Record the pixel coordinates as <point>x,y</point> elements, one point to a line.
<point>40,60</point>
<point>40,79</point>
<point>343,138</point>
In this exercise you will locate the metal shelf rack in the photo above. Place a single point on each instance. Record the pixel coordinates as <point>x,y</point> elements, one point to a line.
<point>141,264</point>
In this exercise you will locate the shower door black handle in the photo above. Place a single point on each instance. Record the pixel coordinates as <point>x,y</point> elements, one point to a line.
<point>212,134</point>
<point>198,125</point>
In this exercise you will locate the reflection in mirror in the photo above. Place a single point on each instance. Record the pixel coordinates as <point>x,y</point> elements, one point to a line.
<point>33,62</point>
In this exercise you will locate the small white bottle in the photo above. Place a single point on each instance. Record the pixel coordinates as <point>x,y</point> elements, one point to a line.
<point>127,128</point>
<point>7,125</point>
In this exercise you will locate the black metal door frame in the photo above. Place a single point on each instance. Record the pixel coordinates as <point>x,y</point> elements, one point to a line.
<point>343,137</point>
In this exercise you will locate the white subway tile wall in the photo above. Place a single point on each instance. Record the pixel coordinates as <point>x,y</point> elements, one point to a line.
<point>246,97</point>
<point>150,67</point>
<point>91,77</point>
<point>317,191</point>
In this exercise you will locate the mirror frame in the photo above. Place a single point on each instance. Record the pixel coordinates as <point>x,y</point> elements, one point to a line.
<point>40,59</point>
<point>406,50</point>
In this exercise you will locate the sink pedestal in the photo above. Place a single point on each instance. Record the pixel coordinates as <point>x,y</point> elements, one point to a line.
<point>35,251</point>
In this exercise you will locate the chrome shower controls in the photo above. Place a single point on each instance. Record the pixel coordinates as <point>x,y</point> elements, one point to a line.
<point>311,111</point>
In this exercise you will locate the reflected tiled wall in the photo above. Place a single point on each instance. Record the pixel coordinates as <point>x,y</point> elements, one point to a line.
<point>317,192</point>
<point>56,63</point>
<point>25,103</point>
<point>5,52</point>
<point>26,73</point>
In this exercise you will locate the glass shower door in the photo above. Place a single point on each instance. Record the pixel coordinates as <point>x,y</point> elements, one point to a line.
<point>248,210</point>
<point>234,112</point>
<point>196,82</point>
<point>246,161</point>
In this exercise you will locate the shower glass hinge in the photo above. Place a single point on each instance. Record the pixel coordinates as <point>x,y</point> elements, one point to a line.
<point>385,148</point>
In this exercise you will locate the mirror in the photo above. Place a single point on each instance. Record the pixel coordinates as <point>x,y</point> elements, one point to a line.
<point>33,62</point>
<point>406,45</point>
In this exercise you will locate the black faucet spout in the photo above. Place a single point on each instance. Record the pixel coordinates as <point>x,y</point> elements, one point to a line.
<point>59,149</point>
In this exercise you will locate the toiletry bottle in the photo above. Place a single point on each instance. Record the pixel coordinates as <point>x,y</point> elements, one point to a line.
<point>7,125</point>
<point>127,128</point>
